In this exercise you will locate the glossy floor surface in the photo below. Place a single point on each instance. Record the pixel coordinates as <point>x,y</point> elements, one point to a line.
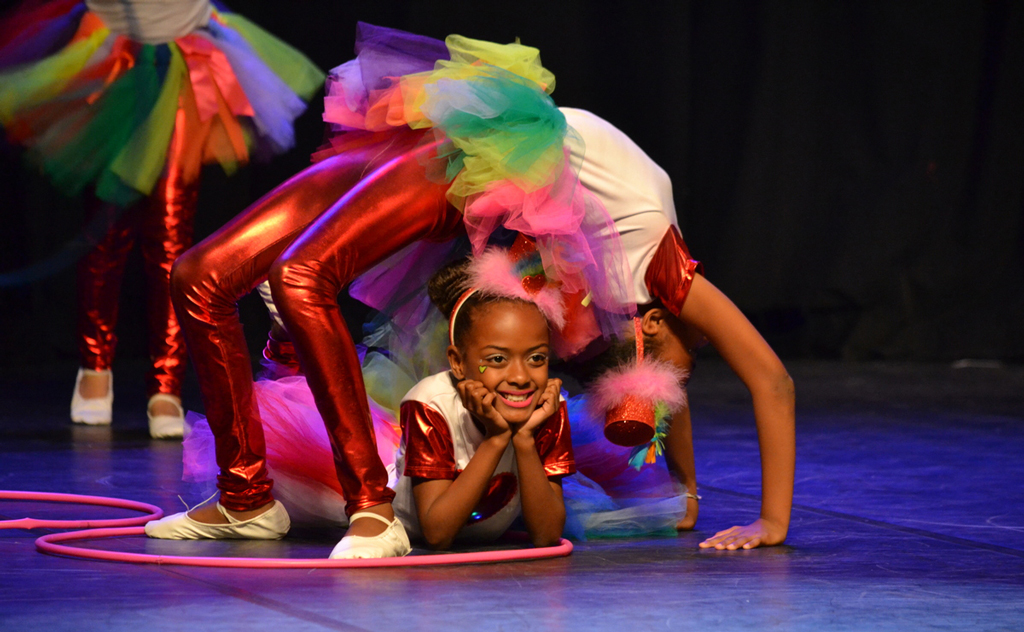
<point>909,515</point>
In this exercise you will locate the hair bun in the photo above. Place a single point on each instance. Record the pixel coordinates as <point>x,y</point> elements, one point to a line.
<point>447,285</point>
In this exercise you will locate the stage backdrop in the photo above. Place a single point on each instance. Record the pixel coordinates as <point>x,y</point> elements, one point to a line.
<point>850,173</point>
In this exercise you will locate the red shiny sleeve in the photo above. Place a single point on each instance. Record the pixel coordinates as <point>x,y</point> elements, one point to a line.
<point>429,452</point>
<point>670,274</point>
<point>554,444</point>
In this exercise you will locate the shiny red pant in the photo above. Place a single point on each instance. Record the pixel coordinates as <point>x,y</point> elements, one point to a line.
<point>163,225</point>
<point>310,237</point>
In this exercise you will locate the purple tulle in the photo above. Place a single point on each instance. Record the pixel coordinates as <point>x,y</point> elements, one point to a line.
<point>382,54</point>
<point>40,39</point>
<point>397,286</point>
<point>274,104</point>
<point>574,232</point>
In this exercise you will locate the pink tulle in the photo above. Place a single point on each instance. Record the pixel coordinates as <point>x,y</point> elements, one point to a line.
<point>345,101</point>
<point>578,243</point>
<point>493,272</point>
<point>650,380</point>
<point>299,455</point>
<point>552,215</point>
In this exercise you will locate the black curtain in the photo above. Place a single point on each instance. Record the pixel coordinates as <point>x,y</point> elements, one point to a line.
<point>851,174</point>
<point>856,174</point>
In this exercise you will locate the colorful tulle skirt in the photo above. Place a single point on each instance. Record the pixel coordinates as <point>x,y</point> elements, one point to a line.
<point>607,497</point>
<point>94,108</point>
<point>505,155</point>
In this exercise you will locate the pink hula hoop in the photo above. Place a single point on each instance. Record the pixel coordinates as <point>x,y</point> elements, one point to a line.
<point>95,529</point>
<point>152,511</point>
<point>48,544</point>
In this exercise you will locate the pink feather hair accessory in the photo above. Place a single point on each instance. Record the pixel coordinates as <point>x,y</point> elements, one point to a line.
<point>494,272</point>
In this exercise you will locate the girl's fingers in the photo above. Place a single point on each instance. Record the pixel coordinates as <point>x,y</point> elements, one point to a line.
<point>547,402</point>
<point>718,538</point>
<point>733,539</point>
<point>465,389</point>
<point>473,396</point>
<point>747,542</point>
<point>551,394</point>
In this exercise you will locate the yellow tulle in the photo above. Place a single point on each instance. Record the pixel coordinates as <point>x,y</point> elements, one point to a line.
<point>515,58</point>
<point>468,57</point>
<point>102,110</point>
<point>36,83</point>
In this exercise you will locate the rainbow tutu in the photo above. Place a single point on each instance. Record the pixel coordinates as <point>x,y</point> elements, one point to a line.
<point>96,108</point>
<point>505,155</point>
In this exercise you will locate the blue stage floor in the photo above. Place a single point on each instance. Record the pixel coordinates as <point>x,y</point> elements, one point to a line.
<point>909,516</point>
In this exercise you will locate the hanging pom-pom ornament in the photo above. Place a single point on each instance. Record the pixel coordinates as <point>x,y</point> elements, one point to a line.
<point>635,396</point>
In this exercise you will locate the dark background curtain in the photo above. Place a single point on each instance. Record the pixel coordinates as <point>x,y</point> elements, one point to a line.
<point>850,173</point>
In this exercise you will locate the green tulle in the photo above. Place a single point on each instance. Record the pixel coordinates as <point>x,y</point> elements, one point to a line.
<point>523,61</point>
<point>514,132</point>
<point>74,160</point>
<point>110,188</point>
<point>85,119</point>
<point>386,383</point>
<point>32,84</point>
<point>141,161</point>
<point>294,68</point>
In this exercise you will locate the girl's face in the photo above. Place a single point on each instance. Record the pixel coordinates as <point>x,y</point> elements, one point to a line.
<point>507,350</point>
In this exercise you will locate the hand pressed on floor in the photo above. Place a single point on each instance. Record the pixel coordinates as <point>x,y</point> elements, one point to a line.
<point>761,532</point>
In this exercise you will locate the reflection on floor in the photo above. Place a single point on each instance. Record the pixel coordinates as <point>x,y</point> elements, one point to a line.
<point>909,515</point>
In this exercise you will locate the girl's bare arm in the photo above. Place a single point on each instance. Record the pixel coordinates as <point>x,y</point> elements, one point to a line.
<point>771,389</point>
<point>444,506</point>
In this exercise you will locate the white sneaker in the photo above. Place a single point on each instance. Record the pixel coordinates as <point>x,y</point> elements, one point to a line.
<point>393,542</point>
<point>95,411</point>
<point>272,524</point>
<point>166,426</point>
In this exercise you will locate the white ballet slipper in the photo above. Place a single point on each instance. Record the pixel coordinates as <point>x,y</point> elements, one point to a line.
<point>166,426</point>
<point>272,524</point>
<point>393,542</point>
<point>94,411</point>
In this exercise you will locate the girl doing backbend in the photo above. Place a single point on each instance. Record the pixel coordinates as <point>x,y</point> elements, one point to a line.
<point>333,221</point>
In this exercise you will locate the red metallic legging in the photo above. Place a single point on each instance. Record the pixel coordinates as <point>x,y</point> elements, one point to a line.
<point>310,237</point>
<point>163,223</point>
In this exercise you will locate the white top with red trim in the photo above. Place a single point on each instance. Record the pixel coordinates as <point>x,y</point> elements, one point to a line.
<point>152,21</point>
<point>450,450</point>
<point>634,189</point>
